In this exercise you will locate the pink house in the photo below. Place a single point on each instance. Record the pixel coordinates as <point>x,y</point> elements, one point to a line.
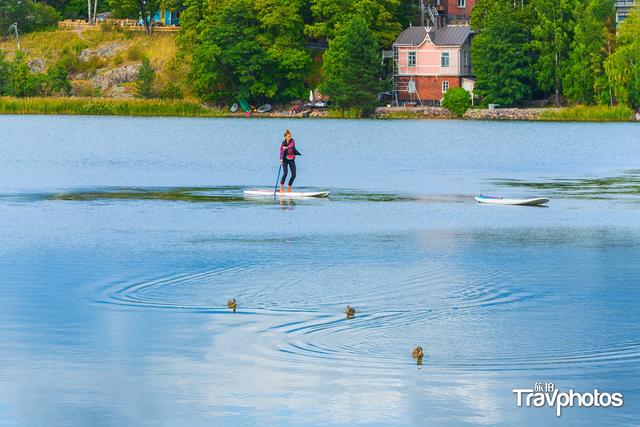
<point>428,61</point>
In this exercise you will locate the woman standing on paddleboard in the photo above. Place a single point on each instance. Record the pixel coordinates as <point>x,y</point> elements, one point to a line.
<point>288,160</point>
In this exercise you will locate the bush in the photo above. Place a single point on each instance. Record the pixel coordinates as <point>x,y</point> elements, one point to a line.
<point>457,100</point>
<point>56,81</point>
<point>22,82</point>
<point>91,65</point>
<point>135,53</point>
<point>171,91</point>
<point>4,75</point>
<point>43,17</point>
<point>85,89</point>
<point>144,81</point>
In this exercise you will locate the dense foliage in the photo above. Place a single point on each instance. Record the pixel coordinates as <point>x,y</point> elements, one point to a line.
<point>250,50</point>
<point>457,100</point>
<point>28,14</point>
<point>17,79</point>
<point>352,68</point>
<point>564,50</point>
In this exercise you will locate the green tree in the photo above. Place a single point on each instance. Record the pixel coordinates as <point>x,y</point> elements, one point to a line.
<point>552,36</point>
<point>623,65</point>
<point>144,81</point>
<point>22,82</point>
<point>4,75</point>
<point>251,50</point>
<point>29,15</point>
<point>457,100</point>
<point>281,33</point>
<point>352,67</point>
<point>501,59</point>
<point>585,80</point>
<point>380,15</point>
<point>56,81</point>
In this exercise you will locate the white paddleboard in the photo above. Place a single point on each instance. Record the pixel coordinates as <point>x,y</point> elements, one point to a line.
<point>265,192</point>
<point>517,202</point>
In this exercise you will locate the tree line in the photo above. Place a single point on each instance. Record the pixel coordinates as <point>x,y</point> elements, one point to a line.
<point>565,50</point>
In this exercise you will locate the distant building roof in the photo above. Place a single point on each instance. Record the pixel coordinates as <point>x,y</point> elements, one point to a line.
<point>453,35</point>
<point>412,36</point>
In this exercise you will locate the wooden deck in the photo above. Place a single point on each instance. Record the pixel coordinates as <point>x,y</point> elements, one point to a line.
<point>125,24</point>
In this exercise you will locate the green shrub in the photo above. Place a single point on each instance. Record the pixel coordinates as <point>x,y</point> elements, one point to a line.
<point>145,79</point>
<point>457,100</point>
<point>135,53</point>
<point>91,65</point>
<point>22,82</point>
<point>171,91</point>
<point>4,75</point>
<point>56,81</point>
<point>85,89</point>
<point>118,59</point>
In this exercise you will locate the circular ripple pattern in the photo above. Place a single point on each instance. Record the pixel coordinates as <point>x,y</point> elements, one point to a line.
<point>455,313</point>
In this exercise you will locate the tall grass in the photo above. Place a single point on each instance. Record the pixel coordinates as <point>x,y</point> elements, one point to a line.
<point>115,107</point>
<point>584,113</point>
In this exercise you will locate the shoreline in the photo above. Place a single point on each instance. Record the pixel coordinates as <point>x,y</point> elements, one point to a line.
<point>183,108</point>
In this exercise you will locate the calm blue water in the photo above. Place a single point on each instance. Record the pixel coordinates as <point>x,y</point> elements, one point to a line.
<point>122,239</point>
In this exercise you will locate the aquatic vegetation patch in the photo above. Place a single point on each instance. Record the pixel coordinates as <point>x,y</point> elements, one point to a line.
<point>194,195</point>
<point>626,185</point>
<point>593,113</point>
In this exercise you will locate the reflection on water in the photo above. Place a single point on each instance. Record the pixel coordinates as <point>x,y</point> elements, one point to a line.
<point>117,263</point>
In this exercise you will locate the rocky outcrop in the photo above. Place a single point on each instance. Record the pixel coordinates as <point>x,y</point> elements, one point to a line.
<point>36,65</point>
<point>106,51</point>
<point>413,112</point>
<point>506,114</point>
<point>106,79</point>
<point>476,114</point>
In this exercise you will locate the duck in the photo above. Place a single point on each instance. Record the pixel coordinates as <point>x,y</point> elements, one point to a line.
<point>417,353</point>
<point>232,304</point>
<point>350,311</point>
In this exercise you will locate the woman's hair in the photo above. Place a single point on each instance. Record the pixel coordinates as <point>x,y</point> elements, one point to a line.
<point>287,132</point>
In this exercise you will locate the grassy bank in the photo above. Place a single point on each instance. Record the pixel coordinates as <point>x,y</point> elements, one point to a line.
<point>109,107</point>
<point>582,113</point>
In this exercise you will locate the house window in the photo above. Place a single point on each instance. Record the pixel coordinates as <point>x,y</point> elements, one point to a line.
<point>465,58</point>
<point>445,86</point>
<point>462,4</point>
<point>444,59</point>
<point>412,59</point>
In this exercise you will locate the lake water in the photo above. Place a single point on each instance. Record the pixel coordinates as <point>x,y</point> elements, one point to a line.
<point>121,240</point>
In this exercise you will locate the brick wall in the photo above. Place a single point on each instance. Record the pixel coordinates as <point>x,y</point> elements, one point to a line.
<point>455,12</point>
<point>429,88</point>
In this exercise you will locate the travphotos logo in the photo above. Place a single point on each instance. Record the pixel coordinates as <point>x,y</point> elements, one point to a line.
<point>546,394</point>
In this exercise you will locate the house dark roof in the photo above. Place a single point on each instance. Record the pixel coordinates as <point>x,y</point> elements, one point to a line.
<point>454,35</point>
<point>412,36</point>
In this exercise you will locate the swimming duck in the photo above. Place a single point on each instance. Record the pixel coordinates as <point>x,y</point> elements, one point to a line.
<point>350,312</point>
<point>417,353</point>
<point>232,304</point>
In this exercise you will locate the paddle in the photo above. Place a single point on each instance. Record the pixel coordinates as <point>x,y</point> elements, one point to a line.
<point>275,190</point>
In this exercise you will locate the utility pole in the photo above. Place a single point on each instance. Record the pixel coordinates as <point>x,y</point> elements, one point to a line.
<point>14,27</point>
<point>422,13</point>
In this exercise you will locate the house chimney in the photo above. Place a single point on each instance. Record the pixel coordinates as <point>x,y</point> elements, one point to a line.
<point>422,13</point>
